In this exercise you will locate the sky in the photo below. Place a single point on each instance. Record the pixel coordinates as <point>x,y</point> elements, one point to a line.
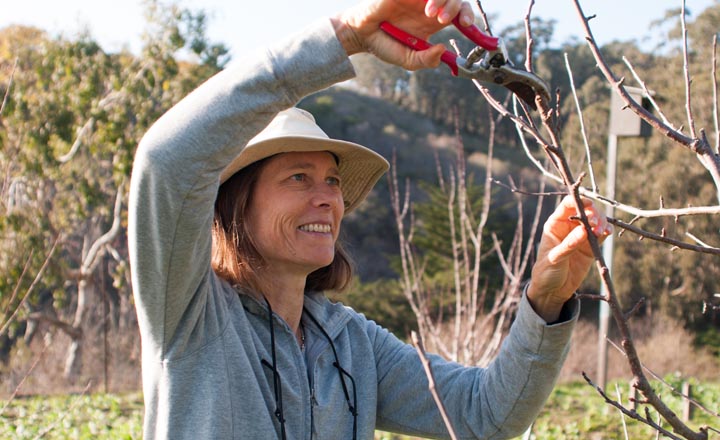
<point>243,25</point>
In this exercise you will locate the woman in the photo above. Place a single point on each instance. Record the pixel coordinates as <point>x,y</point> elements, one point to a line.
<point>238,339</point>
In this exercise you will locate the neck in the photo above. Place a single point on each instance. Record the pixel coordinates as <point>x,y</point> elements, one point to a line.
<point>286,297</point>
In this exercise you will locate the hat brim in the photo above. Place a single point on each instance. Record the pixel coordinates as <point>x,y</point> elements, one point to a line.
<point>359,167</point>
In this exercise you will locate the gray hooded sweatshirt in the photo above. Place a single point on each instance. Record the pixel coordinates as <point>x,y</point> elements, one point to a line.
<point>206,346</point>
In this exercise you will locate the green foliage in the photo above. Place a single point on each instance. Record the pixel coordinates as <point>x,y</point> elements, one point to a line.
<point>574,411</point>
<point>74,117</point>
<point>73,416</point>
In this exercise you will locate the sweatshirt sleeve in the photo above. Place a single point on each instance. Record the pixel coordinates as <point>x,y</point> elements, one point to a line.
<point>496,402</point>
<point>177,166</point>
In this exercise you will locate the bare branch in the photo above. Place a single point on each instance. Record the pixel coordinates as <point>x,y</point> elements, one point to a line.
<point>484,17</point>
<point>582,124</point>
<point>646,92</point>
<point>664,382</point>
<point>529,37</point>
<point>69,329</point>
<point>659,237</point>
<point>628,412</point>
<point>686,70</point>
<point>622,416</point>
<point>78,141</point>
<point>417,341</point>
<point>25,376</point>
<point>37,279</point>
<point>78,401</point>
<point>16,290</point>
<point>699,146</point>
<point>635,309</point>
<point>697,240</point>
<point>10,82</point>
<point>91,259</point>
<point>715,95</point>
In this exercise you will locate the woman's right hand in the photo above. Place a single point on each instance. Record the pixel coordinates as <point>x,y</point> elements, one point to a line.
<point>358,28</point>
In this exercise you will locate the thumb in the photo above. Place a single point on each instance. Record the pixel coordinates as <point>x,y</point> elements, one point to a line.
<point>428,58</point>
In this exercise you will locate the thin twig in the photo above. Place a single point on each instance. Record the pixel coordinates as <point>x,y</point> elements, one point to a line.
<point>10,82</point>
<point>664,382</point>
<point>582,123</point>
<point>38,276</point>
<point>516,190</point>
<point>25,377</point>
<point>659,237</point>
<point>622,416</point>
<point>483,16</point>
<point>630,413</point>
<point>59,420</point>
<point>16,289</point>
<point>686,70</point>
<point>530,42</point>
<point>697,240</point>
<point>715,95</point>
<point>647,93</point>
<point>704,152</point>
<point>417,341</point>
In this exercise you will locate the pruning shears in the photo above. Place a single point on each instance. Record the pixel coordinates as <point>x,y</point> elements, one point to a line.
<point>488,62</point>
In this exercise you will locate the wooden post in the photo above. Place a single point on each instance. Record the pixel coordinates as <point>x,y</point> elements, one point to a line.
<point>687,412</point>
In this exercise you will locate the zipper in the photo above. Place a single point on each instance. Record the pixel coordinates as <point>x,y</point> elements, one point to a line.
<point>313,402</point>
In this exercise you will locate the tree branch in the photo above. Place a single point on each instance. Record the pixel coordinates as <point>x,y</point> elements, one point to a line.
<point>10,82</point>
<point>686,70</point>
<point>69,329</point>
<point>715,95</point>
<point>700,146</point>
<point>37,279</point>
<point>78,141</point>
<point>91,259</point>
<point>417,341</point>
<point>628,412</point>
<point>582,124</point>
<point>663,239</point>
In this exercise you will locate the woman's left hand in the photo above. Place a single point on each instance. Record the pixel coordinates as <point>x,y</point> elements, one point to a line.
<point>564,257</point>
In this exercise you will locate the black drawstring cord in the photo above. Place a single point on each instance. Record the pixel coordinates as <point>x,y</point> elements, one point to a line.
<point>351,406</point>
<point>277,385</point>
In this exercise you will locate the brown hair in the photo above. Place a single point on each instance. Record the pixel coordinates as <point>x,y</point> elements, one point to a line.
<point>234,256</point>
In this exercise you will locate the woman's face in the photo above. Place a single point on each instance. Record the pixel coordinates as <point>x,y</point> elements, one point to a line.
<point>295,211</point>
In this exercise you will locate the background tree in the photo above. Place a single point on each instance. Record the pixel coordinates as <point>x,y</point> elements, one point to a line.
<point>73,118</point>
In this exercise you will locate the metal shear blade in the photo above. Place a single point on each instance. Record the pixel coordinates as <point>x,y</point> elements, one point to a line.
<point>493,68</point>
<point>522,83</point>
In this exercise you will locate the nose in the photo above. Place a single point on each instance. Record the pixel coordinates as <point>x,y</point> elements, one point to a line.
<point>326,196</point>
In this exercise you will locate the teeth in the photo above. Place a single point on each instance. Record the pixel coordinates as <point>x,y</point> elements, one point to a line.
<point>315,227</point>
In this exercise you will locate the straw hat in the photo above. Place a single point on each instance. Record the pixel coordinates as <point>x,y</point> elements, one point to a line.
<point>295,130</point>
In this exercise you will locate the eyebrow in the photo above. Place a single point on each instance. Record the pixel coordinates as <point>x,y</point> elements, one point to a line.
<point>310,166</point>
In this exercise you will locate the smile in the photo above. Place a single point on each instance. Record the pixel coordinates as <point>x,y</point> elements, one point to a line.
<point>316,227</point>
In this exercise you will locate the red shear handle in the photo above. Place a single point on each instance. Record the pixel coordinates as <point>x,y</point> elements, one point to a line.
<point>476,35</point>
<point>416,43</point>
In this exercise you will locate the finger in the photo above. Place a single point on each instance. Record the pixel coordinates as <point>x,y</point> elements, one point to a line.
<point>597,220</point>
<point>449,11</point>
<point>566,208</point>
<point>467,16</point>
<point>446,10</point>
<point>576,239</point>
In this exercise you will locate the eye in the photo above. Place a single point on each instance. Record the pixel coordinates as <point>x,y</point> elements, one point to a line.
<point>299,177</point>
<point>333,180</point>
